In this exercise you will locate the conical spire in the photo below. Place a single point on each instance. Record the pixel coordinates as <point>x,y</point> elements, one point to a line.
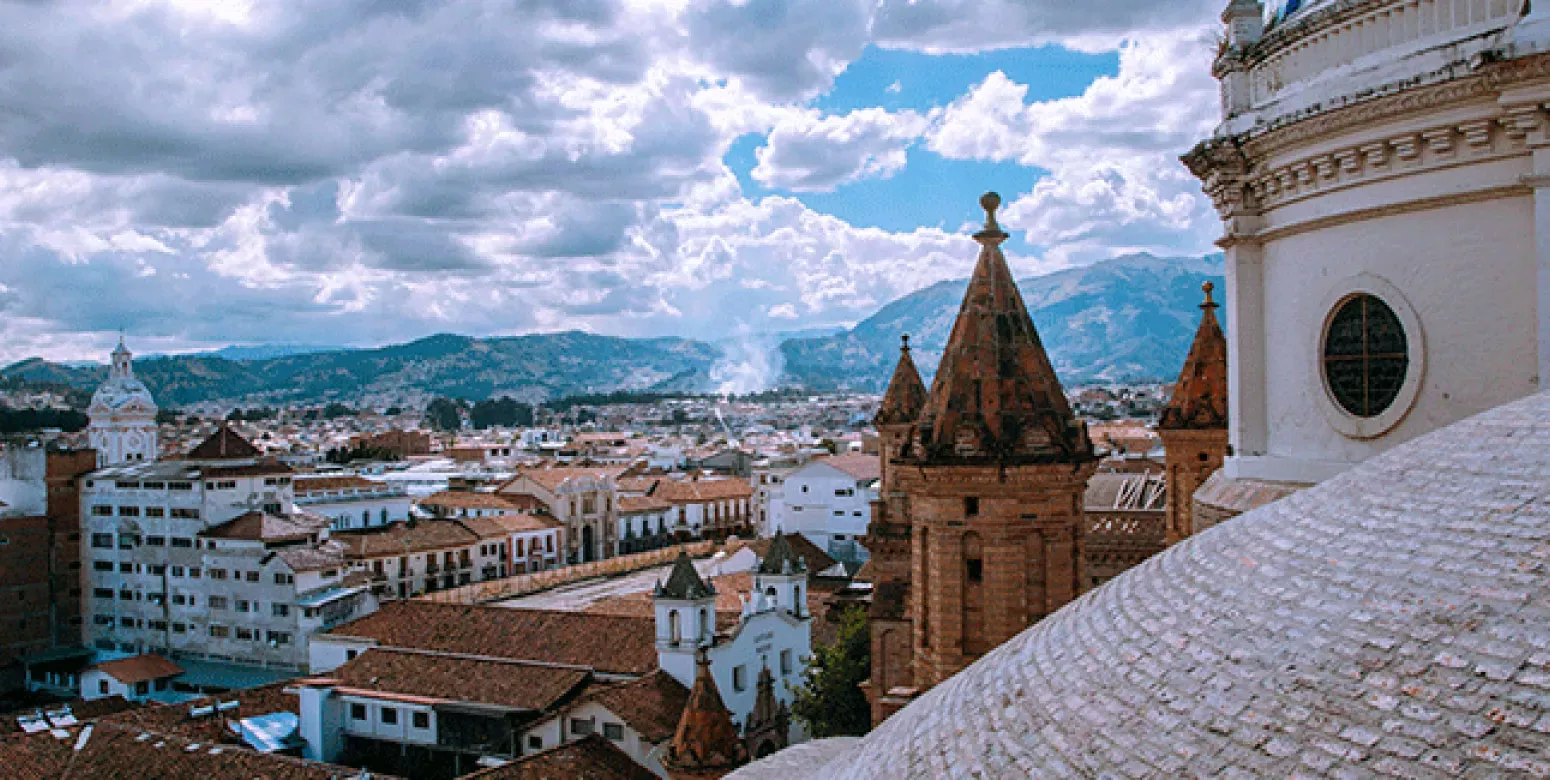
<point>996,396</point>
<point>706,741</point>
<point>906,393</point>
<point>1200,398</point>
<point>684,583</point>
<point>781,558</point>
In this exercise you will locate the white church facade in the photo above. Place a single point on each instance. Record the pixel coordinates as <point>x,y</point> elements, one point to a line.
<point>123,416</point>
<point>1382,172</point>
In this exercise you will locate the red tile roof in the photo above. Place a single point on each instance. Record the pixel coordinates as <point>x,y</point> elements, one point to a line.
<point>467,499</point>
<point>259,526</point>
<point>140,668</point>
<point>552,479</point>
<point>174,719</point>
<point>607,643</point>
<point>440,677</point>
<point>400,538</point>
<point>224,444</point>
<point>642,505</point>
<point>652,705</point>
<point>309,485</point>
<point>695,491</point>
<point>593,758</point>
<point>863,468</point>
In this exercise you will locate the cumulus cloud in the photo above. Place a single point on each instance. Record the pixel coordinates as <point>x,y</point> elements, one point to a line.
<point>360,172</point>
<point>1114,183</point>
<point>806,152</point>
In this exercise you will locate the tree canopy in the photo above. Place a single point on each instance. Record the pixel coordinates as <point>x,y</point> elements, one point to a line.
<point>830,702</point>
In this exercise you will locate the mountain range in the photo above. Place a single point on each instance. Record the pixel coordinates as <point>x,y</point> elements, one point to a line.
<point>1129,318</point>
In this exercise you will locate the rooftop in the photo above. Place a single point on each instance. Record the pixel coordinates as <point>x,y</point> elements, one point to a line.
<point>606,643</point>
<point>1391,620</point>
<point>594,758</point>
<point>140,668</point>
<point>438,677</point>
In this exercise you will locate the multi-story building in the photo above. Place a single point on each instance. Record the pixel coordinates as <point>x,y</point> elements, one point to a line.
<point>707,507</point>
<point>40,548</point>
<point>643,524</point>
<point>352,501</point>
<point>584,501</point>
<point>828,500</point>
<point>407,559</point>
<point>208,557</point>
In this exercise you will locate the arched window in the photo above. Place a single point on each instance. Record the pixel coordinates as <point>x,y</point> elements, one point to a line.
<point>675,630</point>
<point>1366,355</point>
<point>796,599</point>
<point>706,627</point>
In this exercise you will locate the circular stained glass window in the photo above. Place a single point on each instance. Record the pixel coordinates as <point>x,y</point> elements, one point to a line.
<point>1366,355</point>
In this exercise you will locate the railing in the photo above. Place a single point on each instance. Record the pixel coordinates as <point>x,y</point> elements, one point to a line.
<point>525,584</point>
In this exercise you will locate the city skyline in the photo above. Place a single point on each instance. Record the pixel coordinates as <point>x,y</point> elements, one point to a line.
<point>208,174</point>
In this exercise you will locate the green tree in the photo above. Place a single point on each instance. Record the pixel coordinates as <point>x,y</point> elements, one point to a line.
<point>444,414</point>
<point>830,702</point>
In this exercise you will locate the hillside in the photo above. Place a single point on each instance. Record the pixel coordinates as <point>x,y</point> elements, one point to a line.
<point>1128,318</point>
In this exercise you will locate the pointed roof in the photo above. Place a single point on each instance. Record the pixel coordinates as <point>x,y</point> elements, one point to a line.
<point>1200,399</point>
<point>224,444</point>
<point>685,584</point>
<point>707,739</point>
<point>906,394</point>
<point>996,396</point>
<point>781,559</point>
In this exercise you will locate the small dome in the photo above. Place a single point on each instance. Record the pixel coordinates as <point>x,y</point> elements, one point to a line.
<point>1394,620</point>
<point>122,393</point>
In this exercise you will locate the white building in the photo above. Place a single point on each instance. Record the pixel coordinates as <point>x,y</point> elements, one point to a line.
<point>123,415</point>
<point>774,631</point>
<point>139,678</point>
<point>583,500</point>
<point>353,501</point>
<point>207,557</point>
<point>829,502</point>
<point>1382,172</point>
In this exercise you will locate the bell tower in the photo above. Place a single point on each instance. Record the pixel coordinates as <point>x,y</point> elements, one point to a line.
<point>994,474</point>
<point>123,415</point>
<point>1194,423</point>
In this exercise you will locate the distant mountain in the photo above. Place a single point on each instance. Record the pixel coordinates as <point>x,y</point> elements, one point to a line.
<point>529,367</point>
<point>1128,318</point>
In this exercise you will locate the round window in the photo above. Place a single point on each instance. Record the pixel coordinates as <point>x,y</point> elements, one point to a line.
<point>1366,355</point>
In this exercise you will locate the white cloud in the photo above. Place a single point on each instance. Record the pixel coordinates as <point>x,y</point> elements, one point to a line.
<point>1114,182</point>
<point>359,172</point>
<point>807,152</point>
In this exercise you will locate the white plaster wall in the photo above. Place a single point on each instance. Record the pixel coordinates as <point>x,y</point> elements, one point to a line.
<point>326,652</point>
<point>1467,270</point>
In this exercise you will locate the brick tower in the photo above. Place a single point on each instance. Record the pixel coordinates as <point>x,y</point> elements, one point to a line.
<point>888,540</point>
<point>706,744</point>
<point>1194,423</point>
<point>994,475</point>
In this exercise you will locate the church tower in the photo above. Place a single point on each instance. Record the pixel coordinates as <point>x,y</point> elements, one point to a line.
<point>123,415</point>
<point>1194,423</point>
<point>888,540</point>
<point>994,474</point>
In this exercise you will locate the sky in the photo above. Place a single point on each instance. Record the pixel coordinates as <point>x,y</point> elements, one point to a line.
<point>200,173</point>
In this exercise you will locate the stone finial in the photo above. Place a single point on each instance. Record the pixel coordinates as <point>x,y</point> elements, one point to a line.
<point>992,234</point>
<point>1208,288</point>
<point>904,345</point>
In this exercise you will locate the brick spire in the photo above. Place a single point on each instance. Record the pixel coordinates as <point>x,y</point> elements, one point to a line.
<point>996,396</point>
<point>706,744</point>
<point>906,394</point>
<point>1200,398</point>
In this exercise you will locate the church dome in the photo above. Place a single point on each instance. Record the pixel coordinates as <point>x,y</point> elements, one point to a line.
<point>1393,620</point>
<point>122,391</point>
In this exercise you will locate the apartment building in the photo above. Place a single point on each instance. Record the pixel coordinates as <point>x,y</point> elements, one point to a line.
<point>352,501</point>
<point>828,500</point>
<point>208,557</point>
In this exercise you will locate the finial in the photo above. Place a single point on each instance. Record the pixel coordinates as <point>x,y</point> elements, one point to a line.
<point>990,201</point>
<point>1207,288</point>
<point>906,346</point>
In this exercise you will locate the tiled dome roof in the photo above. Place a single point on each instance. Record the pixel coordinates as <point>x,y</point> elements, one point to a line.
<point>1394,620</point>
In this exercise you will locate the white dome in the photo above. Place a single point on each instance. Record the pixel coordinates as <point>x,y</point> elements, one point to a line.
<point>1393,620</point>
<point>123,393</point>
<point>1277,11</point>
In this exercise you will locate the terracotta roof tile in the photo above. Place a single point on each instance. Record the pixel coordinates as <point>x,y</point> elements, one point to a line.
<point>906,394</point>
<point>112,750</point>
<point>652,705</point>
<point>174,718</point>
<point>706,738</point>
<point>501,525</point>
<point>608,643</point>
<point>551,479</point>
<point>224,444</point>
<point>259,526</point>
<point>1200,398</point>
<point>399,538</point>
<point>642,505</point>
<point>503,683</point>
<point>593,758</point>
<point>140,668</point>
<point>694,491</point>
<point>309,485</point>
<point>995,395</point>
<point>864,468</point>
